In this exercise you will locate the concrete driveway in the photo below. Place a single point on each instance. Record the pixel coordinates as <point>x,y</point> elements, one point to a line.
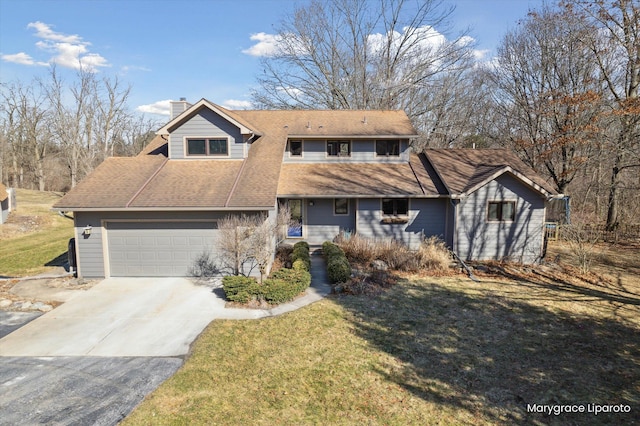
<point>120,317</point>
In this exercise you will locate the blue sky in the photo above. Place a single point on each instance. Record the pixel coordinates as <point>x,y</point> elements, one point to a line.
<point>167,49</point>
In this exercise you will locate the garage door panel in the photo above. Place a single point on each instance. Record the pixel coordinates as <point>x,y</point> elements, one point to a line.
<point>157,248</point>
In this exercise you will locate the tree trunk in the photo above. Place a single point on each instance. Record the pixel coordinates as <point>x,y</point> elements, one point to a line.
<point>612,211</point>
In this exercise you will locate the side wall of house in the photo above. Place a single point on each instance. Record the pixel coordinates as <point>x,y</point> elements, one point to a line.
<point>4,210</point>
<point>321,222</point>
<point>206,124</point>
<point>91,250</point>
<point>427,217</point>
<point>520,240</point>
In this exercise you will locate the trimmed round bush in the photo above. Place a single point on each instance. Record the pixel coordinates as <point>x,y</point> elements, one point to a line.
<point>239,288</point>
<point>338,269</point>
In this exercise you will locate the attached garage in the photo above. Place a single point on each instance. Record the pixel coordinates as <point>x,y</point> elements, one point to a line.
<point>157,249</point>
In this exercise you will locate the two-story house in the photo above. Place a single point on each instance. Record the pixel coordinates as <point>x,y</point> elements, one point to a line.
<point>345,170</point>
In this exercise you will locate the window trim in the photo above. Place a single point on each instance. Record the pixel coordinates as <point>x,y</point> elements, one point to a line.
<point>375,148</point>
<point>206,146</point>
<point>500,204</point>
<point>335,213</point>
<point>326,148</point>
<point>301,148</point>
<point>395,208</point>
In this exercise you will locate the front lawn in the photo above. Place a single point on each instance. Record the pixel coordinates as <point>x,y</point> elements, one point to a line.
<point>427,351</point>
<point>33,237</point>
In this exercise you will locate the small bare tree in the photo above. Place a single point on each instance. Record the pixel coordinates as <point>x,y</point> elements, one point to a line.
<point>246,242</point>
<point>581,243</point>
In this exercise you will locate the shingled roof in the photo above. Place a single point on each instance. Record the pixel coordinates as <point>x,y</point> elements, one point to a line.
<point>152,181</point>
<point>462,171</point>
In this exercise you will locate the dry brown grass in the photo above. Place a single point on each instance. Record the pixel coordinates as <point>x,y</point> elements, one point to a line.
<point>432,255</point>
<point>429,350</point>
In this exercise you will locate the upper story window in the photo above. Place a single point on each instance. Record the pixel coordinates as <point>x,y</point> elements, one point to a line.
<point>295,148</point>
<point>208,147</point>
<point>339,148</point>
<point>388,148</point>
<point>501,211</point>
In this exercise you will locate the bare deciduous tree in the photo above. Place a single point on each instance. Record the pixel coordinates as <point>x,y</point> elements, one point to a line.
<point>616,51</point>
<point>359,54</point>
<point>547,93</point>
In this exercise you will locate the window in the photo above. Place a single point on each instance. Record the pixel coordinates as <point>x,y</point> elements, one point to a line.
<point>388,148</point>
<point>395,207</point>
<point>339,148</point>
<point>204,146</point>
<point>501,211</point>
<point>341,206</point>
<point>295,148</point>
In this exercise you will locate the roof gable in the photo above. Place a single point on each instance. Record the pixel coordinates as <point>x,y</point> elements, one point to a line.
<point>230,116</point>
<point>464,171</point>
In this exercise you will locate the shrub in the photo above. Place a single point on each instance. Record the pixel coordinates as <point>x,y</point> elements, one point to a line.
<point>300,264</point>
<point>285,284</point>
<point>240,289</point>
<point>330,249</point>
<point>338,270</point>
<point>301,253</point>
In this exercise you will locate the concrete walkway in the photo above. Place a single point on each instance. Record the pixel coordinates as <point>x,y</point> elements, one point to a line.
<point>125,317</point>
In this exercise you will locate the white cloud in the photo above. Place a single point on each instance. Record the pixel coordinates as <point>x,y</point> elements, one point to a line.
<point>237,104</point>
<point>68,51</point>
<point>22,59</point>
<point>160,108</point>
<point>267,45</point>
<point>45,32</point>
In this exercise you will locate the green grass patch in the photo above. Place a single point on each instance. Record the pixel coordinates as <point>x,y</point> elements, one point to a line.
<point>444,351</point>
<point>33,236</point>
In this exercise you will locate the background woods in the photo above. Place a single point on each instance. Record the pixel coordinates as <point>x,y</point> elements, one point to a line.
<point>561,91</point>
<point>54,132</point>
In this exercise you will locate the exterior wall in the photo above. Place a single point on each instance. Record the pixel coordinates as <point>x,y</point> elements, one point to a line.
<point>4,210</point>
<point>322,225</point>
<point>315,150</point>
<point>426,217</point>
<point>207,124</point>
<point>92,251</point>
<point>520,240</point>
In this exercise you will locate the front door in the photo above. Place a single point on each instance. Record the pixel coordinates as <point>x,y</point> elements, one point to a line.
<point>295,227</point>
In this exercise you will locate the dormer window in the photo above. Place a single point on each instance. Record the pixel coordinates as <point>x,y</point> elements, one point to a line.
<point>340,148</point>
<point>295,148</point>
<point>208,147</point>
<point>388,148</point>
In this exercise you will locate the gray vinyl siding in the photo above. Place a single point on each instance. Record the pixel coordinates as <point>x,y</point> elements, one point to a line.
<point>518,241</point>
<point>91,254</point>
<point>426,217</point>
<point>322,225</point>
<point>206,124</point>
<point>315,150</point>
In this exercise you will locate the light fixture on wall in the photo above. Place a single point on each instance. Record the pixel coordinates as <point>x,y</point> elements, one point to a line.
<point>87,231</point>
<point>311,202</point>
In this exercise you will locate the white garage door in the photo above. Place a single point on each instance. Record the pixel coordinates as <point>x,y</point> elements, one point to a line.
<point>157,249</point>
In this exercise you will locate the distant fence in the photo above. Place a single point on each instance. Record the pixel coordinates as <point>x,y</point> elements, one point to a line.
<point>626,232</point>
